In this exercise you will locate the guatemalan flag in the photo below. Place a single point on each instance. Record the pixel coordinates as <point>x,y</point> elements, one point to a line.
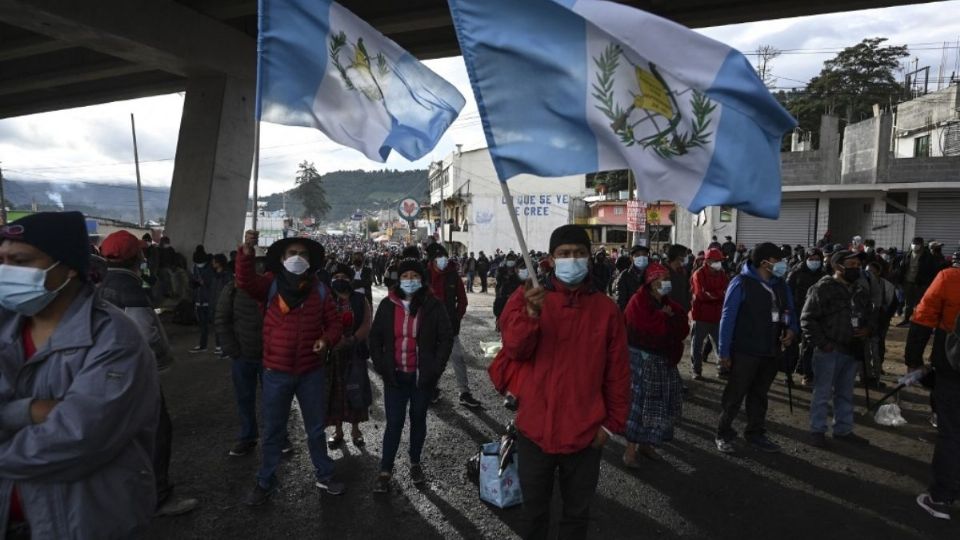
<point>576,86</point>
<point>321,66</point>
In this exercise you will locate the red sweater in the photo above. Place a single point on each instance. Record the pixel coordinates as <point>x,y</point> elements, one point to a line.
<point>709,287</point>
<point>650,328</point>
<point>288,338</point>
<point>574,365</point>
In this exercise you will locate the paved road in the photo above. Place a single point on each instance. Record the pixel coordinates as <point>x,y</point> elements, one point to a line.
<point>803,493</point>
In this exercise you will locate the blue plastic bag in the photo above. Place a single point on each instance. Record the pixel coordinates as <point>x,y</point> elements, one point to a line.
<point>500,490</point>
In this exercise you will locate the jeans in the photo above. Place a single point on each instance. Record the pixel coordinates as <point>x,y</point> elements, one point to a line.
<point>311,392</point>
<point>834,375</point>
<point>163,448</point>
<point>701,331</point>
<point>946,455</point>
<point>203,321</point>
<point>395,401</point>
<point>247,374</point>
<point>912,294</point>
<point>805,365</point>
<point>750,378</point>
<point>459,365</point>
<point>470,277</point>
<point>579,474</point>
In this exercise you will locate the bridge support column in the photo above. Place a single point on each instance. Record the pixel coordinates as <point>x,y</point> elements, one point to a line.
<point>211,174</point>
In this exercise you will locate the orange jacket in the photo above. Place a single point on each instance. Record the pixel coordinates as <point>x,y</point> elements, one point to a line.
<point>941,304</point>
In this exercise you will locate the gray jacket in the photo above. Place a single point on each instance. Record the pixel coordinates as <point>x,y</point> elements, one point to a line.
<point>124,289</point>
<point>85,472</point>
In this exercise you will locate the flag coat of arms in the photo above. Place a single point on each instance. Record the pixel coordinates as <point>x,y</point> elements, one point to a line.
<point>321,66</point>
<point>577,86</point>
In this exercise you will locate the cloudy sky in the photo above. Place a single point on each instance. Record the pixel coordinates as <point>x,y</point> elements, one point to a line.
<point>94,144</point>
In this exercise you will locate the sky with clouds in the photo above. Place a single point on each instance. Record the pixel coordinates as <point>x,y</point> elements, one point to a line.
<point>94,143</point>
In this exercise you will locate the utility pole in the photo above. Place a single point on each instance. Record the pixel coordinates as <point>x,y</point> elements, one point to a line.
<point>136,162</point>
<point>631,235</point>
<point>442,182</point>
<point>3,201</point>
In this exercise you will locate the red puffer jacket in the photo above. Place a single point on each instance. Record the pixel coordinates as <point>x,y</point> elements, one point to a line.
<point>573,373</point>
<point>709,288</point>
<point>288,338</point>
<point>651,329</point>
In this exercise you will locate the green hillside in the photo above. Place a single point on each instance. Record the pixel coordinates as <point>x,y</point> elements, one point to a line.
<point>366,190</point>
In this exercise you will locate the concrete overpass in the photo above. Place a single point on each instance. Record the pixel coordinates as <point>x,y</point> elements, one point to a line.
<point>57,54</point>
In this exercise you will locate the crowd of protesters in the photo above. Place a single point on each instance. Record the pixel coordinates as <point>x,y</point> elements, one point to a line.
<point>85,421</point>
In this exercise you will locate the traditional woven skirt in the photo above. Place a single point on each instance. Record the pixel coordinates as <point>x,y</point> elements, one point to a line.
<point>657,398</point>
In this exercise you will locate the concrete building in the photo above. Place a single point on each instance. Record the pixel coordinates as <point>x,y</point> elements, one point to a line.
<point>896,176</point>
<point>475,213</point>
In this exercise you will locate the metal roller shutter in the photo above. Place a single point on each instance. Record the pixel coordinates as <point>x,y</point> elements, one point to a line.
<point>938,218</point>
<point>797,225</point>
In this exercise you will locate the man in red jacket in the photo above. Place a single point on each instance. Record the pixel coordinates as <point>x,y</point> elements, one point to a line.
<point>300,326</point>
<point>569,340</point>
<point>709,284</point>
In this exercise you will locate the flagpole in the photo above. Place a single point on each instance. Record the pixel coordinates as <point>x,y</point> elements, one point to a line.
<point>256,170</point>
<point>516,229</point>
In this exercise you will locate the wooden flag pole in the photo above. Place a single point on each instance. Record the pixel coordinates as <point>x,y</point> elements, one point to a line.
<point>256,170</point>
<point>516,228</point>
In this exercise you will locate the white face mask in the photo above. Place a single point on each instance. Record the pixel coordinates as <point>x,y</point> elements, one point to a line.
<point>523,273</point>
<point>716,265</point>
<point>442,262</point>
<point>22,289</point>
<point>296,265</point>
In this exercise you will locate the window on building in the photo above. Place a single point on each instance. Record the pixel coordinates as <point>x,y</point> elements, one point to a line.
<point>618,210</point>
<point>921,146</point>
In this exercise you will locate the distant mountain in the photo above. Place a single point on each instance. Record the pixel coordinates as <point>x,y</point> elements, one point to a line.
<point>367,190</point>
<point>117,201</point>
<point>346,192</point>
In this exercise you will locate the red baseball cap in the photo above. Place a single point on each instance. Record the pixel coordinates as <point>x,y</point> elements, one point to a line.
<point>714,254</point>
<point>121,246</point>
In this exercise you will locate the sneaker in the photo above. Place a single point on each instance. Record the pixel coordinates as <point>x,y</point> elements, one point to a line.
<point>259,495</point>
<point>197,349</point>
<point>725,446</point>
<point>818,440</point>
<point>218,350</point>
<point>851,438</point>
<point>939,510</point>
<point>176,507</point>
<point>510,403</point>
<point>416,474</point>
<point>243,448</point>
<point>382,485</point>
<point>764,444</point>
<point>331,487</point>
<point>467,400</point>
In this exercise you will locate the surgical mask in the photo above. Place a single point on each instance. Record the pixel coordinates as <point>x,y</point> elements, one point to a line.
<point>914,247</point>
<point>814,265</point>
<point>851,275</point>
<point>341,286</point>
<point>511,264</point>
<point>716,265</point>
<point>571,271</point>
<point>523,273</point>
<point>200,265</point>
<point>779,269</point>
<point>666,287</point>
<point>868,249</point>
<point>22,289</point>
<point>296,265</point>
<point>410,286</point>
<point>641,262</point>
<point>442,262</point>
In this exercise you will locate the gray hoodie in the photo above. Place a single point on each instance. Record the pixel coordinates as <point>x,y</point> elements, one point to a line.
<point>85,472</point>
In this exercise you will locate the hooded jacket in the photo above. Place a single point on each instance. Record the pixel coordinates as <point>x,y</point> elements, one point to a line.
<point>709,287</point>
<point>575,369</point>
<point>124,289</point>
<point>651,329</point>
<point>87,470</point>
<point>239,324</point>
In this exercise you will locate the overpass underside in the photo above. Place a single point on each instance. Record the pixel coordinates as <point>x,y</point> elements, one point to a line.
<point>58,54</point>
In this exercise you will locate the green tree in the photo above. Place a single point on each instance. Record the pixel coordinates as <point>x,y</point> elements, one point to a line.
<point>849,85</point>
<point>310,191</point>
<point>373,225</point>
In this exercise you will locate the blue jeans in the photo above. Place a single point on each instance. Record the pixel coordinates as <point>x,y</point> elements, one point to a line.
<point>470,276</point>
<point>834,375</point>
<point>246,377</point>
<point>395,400</point>
<point>278,391</point>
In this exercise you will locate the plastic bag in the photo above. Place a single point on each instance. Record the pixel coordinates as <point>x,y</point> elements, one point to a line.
<point>889,415</point>
<point>490,348</point>
<point>499,488</point>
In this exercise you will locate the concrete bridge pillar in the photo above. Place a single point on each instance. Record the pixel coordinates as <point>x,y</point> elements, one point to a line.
<point>211,174</point>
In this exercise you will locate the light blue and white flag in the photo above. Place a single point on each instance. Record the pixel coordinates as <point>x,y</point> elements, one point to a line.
<point>321,66</point>
<point>576,86</point>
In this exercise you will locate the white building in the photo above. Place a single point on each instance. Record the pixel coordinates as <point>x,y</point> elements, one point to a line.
<point>475,212</point>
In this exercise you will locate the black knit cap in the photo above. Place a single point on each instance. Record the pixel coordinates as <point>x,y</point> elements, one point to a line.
<point>436,250</point>
<point>407,265</point>
<point>61,235</point>
<point>569,234</point>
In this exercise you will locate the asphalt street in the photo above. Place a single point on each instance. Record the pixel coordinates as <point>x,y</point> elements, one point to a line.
<point>841,492</point>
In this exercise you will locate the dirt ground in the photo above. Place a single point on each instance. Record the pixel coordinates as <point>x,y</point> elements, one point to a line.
<point>842,492</point>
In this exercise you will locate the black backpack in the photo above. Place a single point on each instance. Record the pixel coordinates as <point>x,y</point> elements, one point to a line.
<point>953,345</point>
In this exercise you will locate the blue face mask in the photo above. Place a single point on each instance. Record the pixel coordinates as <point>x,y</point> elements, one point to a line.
<point>442,262</point>
<point>814,265</point>
<point>571,271</point>
<point>666,287</point>
<point>780,269</point>
<point>523,274</point>
<point>410,286</point>
<point>22,289</point>
<point>641,262</point>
